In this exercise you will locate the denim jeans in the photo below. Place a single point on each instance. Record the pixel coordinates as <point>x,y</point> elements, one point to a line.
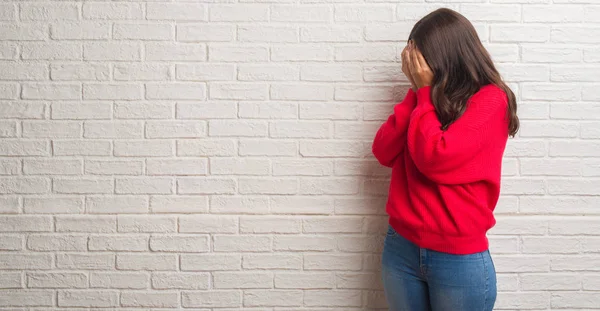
<point>418,279</point>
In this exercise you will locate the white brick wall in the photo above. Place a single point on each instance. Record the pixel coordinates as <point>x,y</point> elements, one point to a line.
<point>215,155</point>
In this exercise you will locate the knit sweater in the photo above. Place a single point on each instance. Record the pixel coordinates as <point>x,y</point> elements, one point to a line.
<point>445,183</point>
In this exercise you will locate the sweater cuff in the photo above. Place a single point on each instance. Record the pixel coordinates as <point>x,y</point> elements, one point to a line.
<point>424,98</point>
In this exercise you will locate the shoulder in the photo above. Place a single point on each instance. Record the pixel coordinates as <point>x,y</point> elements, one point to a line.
<point>490,93</point>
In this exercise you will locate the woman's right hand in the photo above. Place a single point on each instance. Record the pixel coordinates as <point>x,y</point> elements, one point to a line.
<point>406,67</point>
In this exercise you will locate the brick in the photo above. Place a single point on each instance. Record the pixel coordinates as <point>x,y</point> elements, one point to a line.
<point>176,167</point>
<point>81,147</point>
<point>241,243</point>
<point>242,280</point>
<point>53,205</point>
<point>175,52</point>
<point>213,110</point>
<point>219,299</point>
<point>210,262</point>
<point>8,129</point>
<point>243,128</point>
<point>548,129</point>
<point>268,186</point>
<point>358,281</point>
<point>235,166</point>
<point>242,91</point>
<point>180,280</point>
<point>321,186</point>
<point>118,243</point>
<point>523,73</point>
<point>79,71</point>
<point>268,147</point>
<point>82,185</point>
<point>500,12</point>
<point>205,33</point>
<point>114,129</point>
<point>86,30</point>
<point>85,261</point>
<point>388,32</point>
<point>364,13</point>
<point>301,13</point>
<point>86,224</point>
<point>142,72</point>
<point>301,205</point>
<point>574,187</point>
<point>48,11</point>
<point>332,225</point>
<point>112,11</point>
<point>112,91</point>
<point>206,186</point>
<point>574,300</point>
<point>572,34</point>
<point>332,262</point>
<point>176,11</point>
<point>10,166</point>
<point>143,31</point>
<point>151,262</point>
<point>372,52</point>
<point>545,53</point>
<point>334,34</point>
<point>179,244</point>
<point>149,224</point>
<point>206,147</point>
<point>573,73</point>
<point>205,72</point>
<point>272,261</point>
<point>239,13</point>
<point>103,51</point>
<point>341,298</point>
<point>56,280</point>
<point>44,129</point>
<point>267,73</point>
<point>11,243</point>
<point>175,91</point>
<point>302,92</point>
<point>260,224</point>
<point>22,110</point>
<point>144,110</point>
<point>150,299</point>
<point>24,148</point>
<point>519,263</point>
<point>264,298</point>
<point>178,204</point>
<point>101,299</point>
<point>519,33</point>
<point>238,205</point>
<point>51,91</point>
<point>10,280</point>
<point>116,205</point>
<point>550,281</point>
<point>24,185</point>
<point>285,167</point>
<point>23,71</point>
<point>147,148</point>
<point>23,31</point>
<point>301,52</point>
<point>9,12</point>
<point>304,243</point>
<point>9,91</point>
<point>61,242</point>
<point>119,280</point>
<point>304,280</point>
<point>239,54</point>
<point>13,261</point>
<point>27,298</point>
<point>81,111</point>
<point>178,129</point>
<point>267,34</point>
<point>8,50</point>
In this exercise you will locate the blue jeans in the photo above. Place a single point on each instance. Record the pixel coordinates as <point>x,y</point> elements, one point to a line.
<point>418,279</point>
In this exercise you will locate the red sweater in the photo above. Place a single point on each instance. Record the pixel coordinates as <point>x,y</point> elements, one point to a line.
<point>445,183</point>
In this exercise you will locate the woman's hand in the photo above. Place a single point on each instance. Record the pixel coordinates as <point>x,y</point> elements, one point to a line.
<point>406,67</point>
<point>418,68</point>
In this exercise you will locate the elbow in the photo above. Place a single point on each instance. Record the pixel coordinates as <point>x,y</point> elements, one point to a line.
<point>382,158</point>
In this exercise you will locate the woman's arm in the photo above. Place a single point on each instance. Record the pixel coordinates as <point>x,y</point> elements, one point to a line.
<point>390,139</point>
<point>447,156</point>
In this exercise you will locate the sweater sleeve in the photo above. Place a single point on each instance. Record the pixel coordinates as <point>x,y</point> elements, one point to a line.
<point>453,156</point>
<point>390,139</point>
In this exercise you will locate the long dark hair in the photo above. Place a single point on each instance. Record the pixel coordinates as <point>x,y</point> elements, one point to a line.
<point>460,63</point>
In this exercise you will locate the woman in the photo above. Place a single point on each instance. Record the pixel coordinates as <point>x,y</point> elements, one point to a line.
<point>444,143</point>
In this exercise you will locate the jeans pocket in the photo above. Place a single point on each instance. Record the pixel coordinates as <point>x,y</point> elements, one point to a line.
<point>391,232</point>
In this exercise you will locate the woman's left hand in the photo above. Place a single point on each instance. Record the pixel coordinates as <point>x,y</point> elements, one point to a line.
<point>421,73</point>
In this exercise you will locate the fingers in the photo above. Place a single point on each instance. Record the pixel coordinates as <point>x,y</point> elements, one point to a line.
<point>414,60</point>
